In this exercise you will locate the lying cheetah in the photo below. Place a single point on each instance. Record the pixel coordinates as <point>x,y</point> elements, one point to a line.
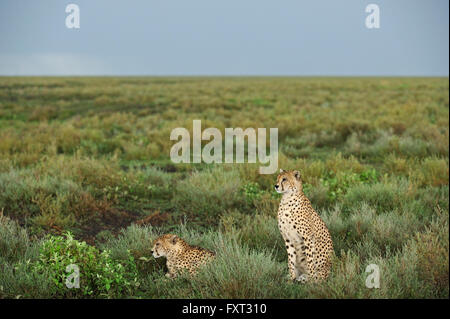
<point>308,241</point>
<point>180,255</point>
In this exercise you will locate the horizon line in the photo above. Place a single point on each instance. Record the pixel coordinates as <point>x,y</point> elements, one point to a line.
<point>230,75</point>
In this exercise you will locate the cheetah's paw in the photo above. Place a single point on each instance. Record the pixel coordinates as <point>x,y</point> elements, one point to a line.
<point>302,278</point>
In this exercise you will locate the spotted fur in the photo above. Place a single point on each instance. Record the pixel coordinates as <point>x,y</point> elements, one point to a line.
<point>308,241</point>
<point>180,255</point>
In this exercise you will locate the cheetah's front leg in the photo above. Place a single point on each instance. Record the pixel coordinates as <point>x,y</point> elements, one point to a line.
<point>171,269</point>
<point>310,254</point>
<point>300,264</point>
<point>292,257</point>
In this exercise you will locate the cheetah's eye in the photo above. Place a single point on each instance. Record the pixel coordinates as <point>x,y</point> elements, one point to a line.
<point>284,179</point>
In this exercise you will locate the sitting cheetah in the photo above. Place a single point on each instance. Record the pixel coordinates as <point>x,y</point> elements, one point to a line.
<point>180,255</point>
<point>308,241</point>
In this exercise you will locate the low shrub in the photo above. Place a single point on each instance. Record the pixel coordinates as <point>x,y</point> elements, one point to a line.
<point>237,272</point>
<point>258,232</point>
<point>15,244</point>
<point>385,196</point>
<point>204,195</point>
<point>100,275</point>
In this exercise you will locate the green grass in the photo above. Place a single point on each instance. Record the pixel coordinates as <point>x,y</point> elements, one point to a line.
<point>91,156</point>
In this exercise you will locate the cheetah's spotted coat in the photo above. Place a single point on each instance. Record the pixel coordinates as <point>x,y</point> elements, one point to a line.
<point>308,241</point>
<point>180,255</point>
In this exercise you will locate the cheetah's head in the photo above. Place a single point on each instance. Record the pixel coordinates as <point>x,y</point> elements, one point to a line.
<point>288,181</point>
<point>165,244</point>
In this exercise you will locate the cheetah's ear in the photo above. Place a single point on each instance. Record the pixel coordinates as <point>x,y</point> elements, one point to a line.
<point>281,170</point>
<point>297,175</point>
<point>174,239</point>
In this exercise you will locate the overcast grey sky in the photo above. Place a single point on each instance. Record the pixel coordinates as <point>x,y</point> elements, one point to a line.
<point>226,37</point>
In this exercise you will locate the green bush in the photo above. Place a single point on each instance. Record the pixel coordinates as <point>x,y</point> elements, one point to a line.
<point>338,183</point>
<point>100,275</point>
<point>252,192</point>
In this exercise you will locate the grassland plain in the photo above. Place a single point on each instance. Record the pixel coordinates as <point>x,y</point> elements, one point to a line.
<point>86,178</point>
